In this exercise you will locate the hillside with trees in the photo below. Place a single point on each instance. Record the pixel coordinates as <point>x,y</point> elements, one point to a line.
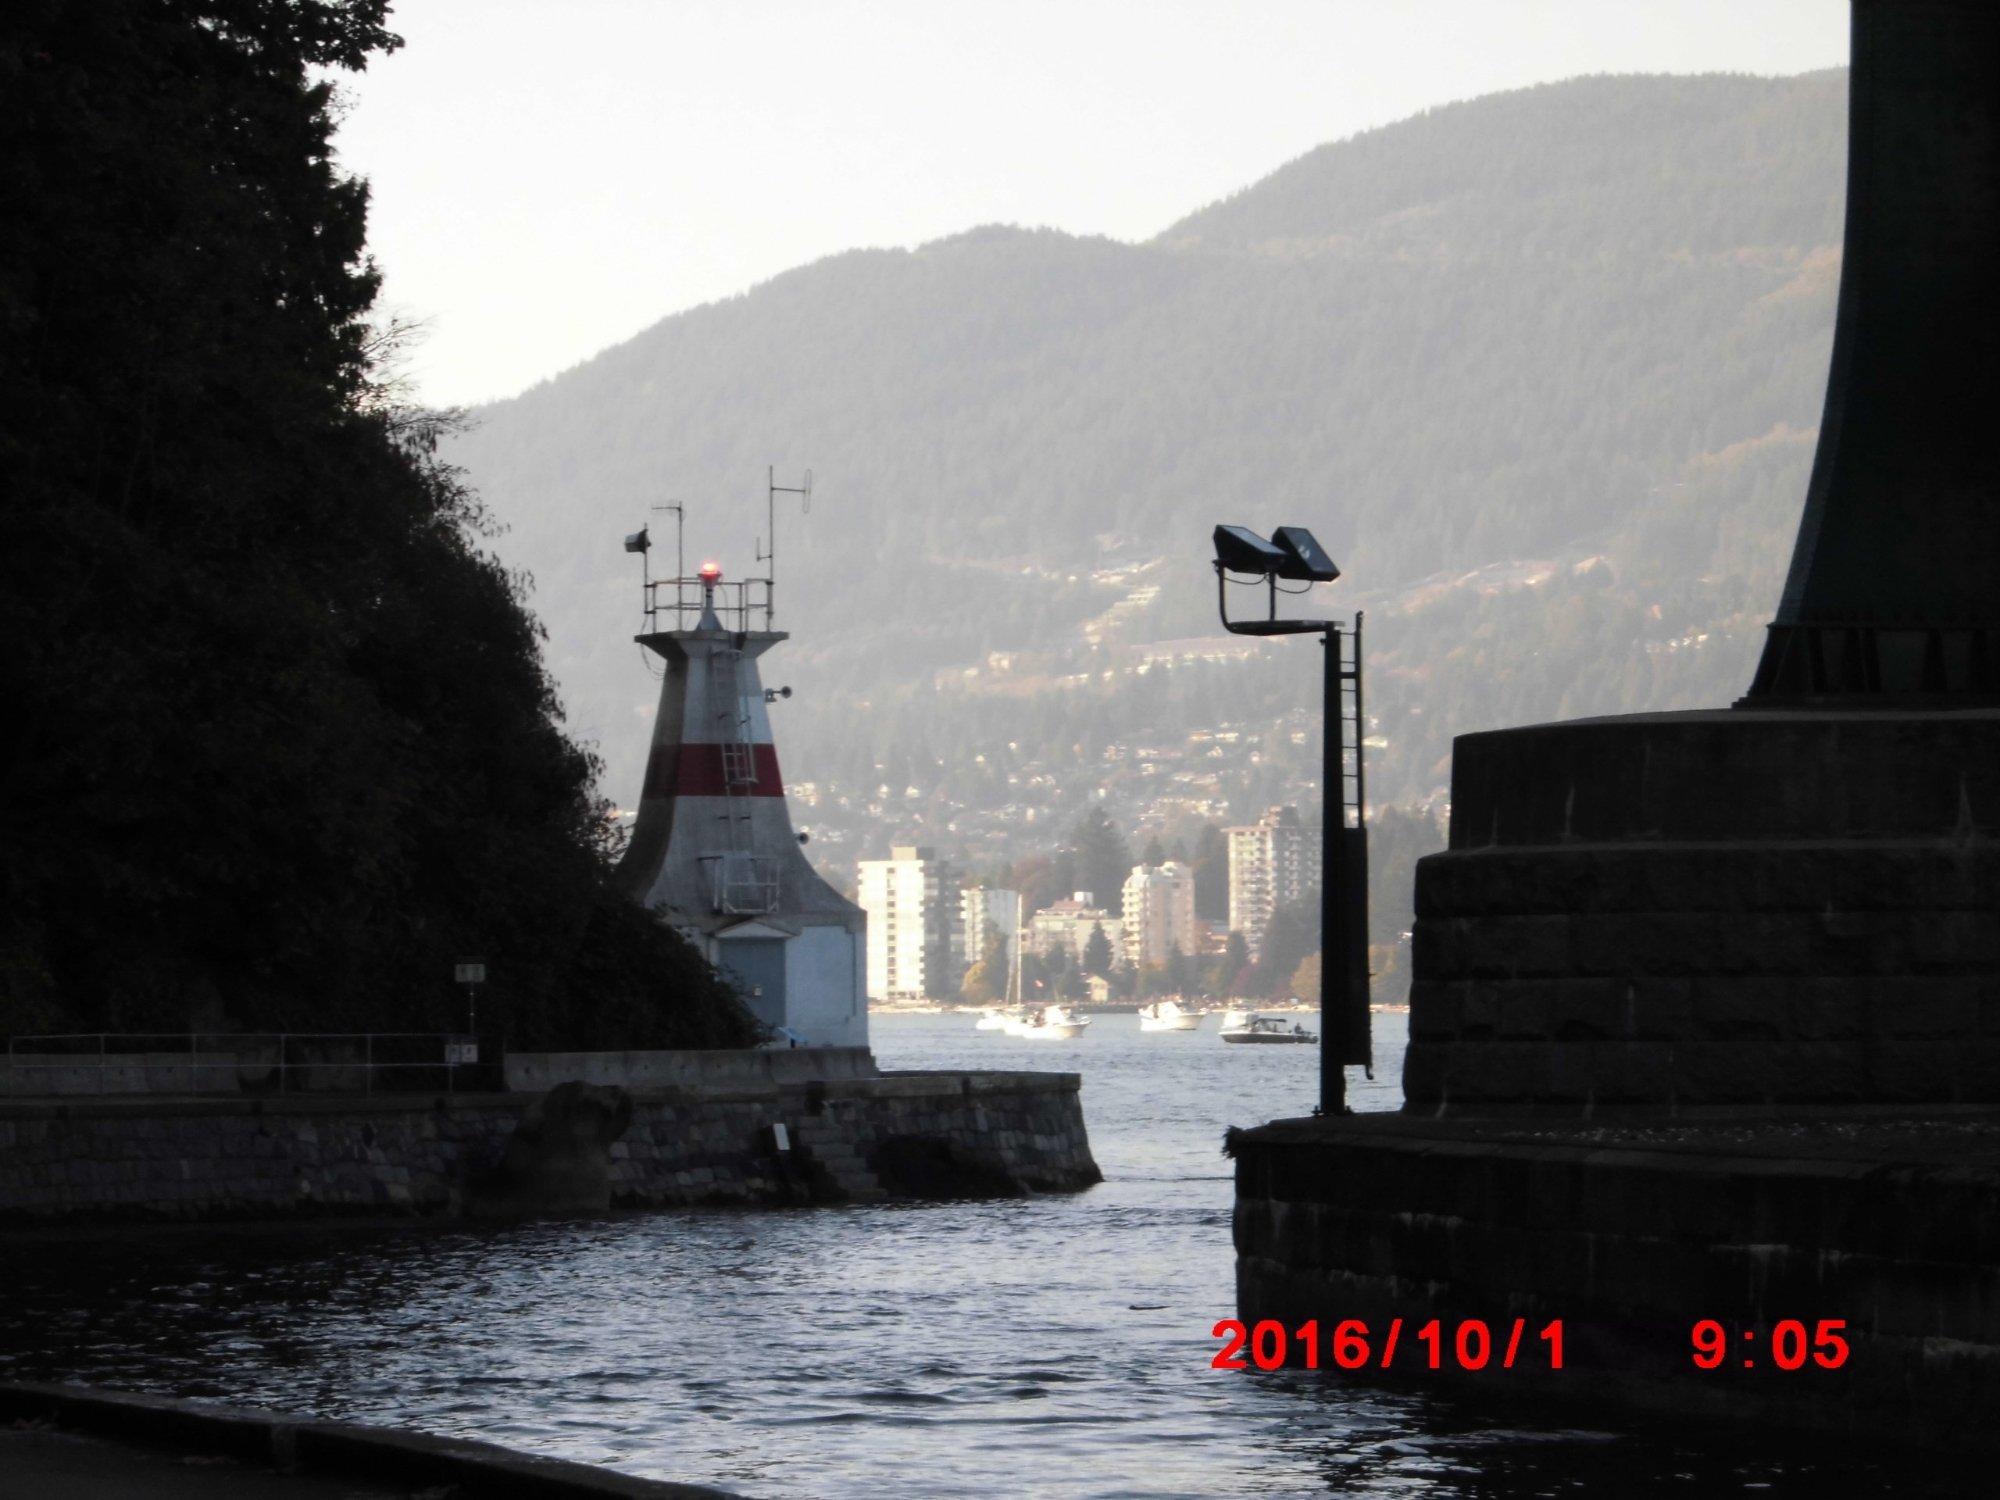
<point>280,744</point>
<point>1543,370</point>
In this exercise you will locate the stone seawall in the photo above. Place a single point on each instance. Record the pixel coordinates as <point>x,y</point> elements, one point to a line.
<point>898,1135</point>
<point>1728,907</point>
<point>1631,1234</point>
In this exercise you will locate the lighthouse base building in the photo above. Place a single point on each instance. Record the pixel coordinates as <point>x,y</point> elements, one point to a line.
<point>713,849</point>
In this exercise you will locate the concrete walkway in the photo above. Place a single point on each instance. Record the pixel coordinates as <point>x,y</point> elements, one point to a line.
<point>54,1465</point>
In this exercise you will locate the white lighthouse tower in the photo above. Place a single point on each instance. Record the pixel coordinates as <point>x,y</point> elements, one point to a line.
<point>713,850</point>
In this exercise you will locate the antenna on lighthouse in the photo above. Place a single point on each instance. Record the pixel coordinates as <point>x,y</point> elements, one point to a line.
<point>682,601</point>
<point>767,550</point>
<point>641,542</point>
<point>680,534</point>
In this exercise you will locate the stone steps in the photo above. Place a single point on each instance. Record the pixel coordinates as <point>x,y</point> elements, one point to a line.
<point>833,1158</point>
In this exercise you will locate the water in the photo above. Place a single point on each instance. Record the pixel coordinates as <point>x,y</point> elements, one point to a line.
<point>1057,1346</point>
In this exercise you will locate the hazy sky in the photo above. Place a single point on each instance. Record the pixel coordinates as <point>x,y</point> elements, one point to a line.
<point>550,178</point>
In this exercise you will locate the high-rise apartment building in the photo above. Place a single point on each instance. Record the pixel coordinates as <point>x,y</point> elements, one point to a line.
<point>1272,862</point>
<point>913,934</point>
<point>1159,913</point>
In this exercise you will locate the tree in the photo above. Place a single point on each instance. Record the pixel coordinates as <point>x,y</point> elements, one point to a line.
<point>1043,974</point>
<point>1291,934</point>
<point>1305,979</point>
<point>1042,879</point>
<point>1074,984</point>
<point>1097,951</point>
<point>1103,858</point>
<point>1211,874</point>
<point>283,745</point>
<point>1230,974</point>
<point>986,981</point>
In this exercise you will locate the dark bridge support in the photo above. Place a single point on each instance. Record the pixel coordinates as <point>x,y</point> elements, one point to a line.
<point>1894,588</point>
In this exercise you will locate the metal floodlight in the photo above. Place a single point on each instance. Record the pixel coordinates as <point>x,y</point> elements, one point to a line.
<point>1241,550</point>
<point>1294,553</point>
<point>1305,559</point>
<point>638,541</point>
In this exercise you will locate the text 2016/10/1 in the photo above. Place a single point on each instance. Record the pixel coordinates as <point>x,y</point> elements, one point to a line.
<point>1472,1345</point>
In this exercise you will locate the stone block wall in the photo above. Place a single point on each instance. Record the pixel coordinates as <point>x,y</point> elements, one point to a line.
<point>320,1157</point>
<point>1689,974</point>
<point>1701,908</point>
<point>1015,1132</point>
<point>1629,1245</point>
<point>228,1158</point>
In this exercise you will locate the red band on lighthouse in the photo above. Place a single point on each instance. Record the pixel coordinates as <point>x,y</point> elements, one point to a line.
<point>697,770</point>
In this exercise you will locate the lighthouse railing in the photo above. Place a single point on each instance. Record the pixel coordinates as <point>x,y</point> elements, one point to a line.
<point>742,604</point>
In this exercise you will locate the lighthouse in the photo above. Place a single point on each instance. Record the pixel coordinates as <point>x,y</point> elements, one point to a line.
<point>713,850</point>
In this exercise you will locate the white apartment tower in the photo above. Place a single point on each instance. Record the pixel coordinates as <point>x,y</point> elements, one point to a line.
<point>1159,913</point>
<point>1272,862</point>
<point>912,903</point>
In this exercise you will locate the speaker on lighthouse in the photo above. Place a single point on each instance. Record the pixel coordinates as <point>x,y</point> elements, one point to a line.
<point>713,850</point>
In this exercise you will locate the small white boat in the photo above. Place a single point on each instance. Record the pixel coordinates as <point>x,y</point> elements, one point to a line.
<point>995,1020</point>
<point>1234,1018</point>
<point>1269,1031</point>
<point>1166,1015</point>
<point>1050,1023</point>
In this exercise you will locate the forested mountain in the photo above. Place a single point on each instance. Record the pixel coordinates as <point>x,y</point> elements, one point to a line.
<point>280,746</point>
<point>1542,370</point>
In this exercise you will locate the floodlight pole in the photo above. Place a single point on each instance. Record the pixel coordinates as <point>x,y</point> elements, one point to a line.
<point>1343,882</point>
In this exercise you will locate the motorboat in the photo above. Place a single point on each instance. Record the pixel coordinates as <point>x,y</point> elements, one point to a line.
<point>1166,1015</point>
<point>991,1019</point>
<point>1048,1023</point>
<point>1269,1031</point>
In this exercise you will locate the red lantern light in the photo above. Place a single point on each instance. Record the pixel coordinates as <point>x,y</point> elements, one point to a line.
<point>711,573</point>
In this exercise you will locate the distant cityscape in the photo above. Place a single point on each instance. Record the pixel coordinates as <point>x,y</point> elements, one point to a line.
<point>936,937</point>
<point>1012,796</point>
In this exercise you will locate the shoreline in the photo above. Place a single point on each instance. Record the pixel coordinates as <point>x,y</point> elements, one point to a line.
<point>284,1451</point>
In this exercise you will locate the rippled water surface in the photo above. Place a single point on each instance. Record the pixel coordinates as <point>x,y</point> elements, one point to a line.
<point>1056,1346</point>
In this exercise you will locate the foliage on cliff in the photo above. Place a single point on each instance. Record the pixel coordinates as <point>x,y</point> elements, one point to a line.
<point>279,741</point>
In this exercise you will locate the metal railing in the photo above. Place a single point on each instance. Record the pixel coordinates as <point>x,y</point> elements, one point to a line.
<point>195,1062</point>
<point>741,605</point>
<point>743,884</point>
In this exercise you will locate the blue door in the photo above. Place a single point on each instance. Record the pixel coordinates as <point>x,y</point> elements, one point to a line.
<point>757,968</point>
